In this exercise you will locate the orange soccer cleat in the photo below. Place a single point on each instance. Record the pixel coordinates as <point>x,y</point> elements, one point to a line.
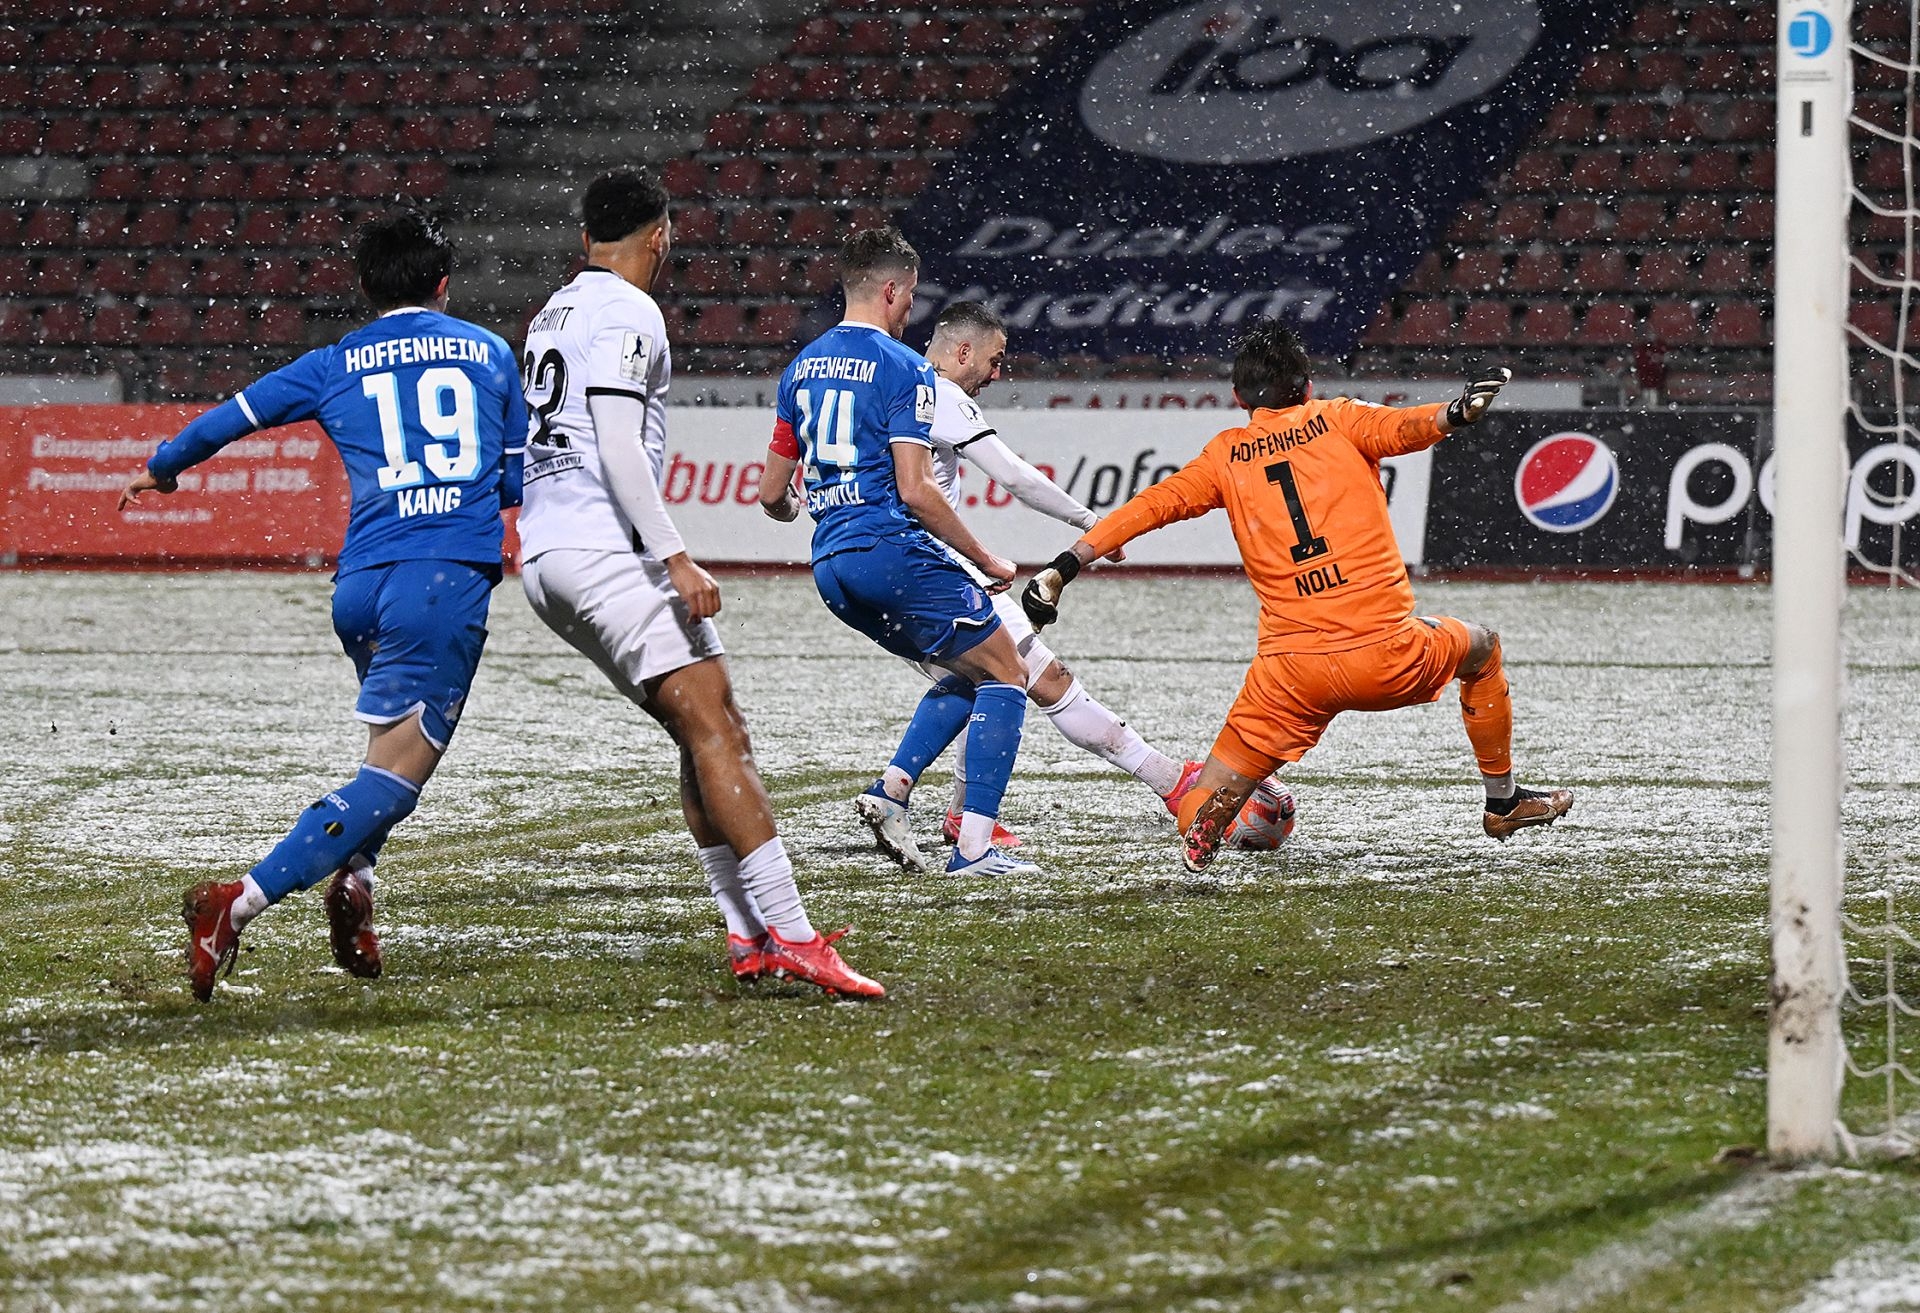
<point>356,947</point>
<point>212,942</point>
<point>815,962</point>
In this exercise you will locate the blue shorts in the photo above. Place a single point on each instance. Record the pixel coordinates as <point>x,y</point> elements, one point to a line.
<point>908,596</point>
<point>414,630</point>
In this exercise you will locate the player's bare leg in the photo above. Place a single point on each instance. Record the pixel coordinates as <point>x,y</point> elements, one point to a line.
<point>1208,810</point>
<point>725,801</point>
<point>1486,708</point>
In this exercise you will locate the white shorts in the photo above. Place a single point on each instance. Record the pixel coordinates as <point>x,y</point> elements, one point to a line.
<point>1035,654</point>
<point>619,609</point>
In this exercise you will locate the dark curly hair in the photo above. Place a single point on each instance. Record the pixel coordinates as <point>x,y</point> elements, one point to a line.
<point>401,258</point>
<point>1270,367</point>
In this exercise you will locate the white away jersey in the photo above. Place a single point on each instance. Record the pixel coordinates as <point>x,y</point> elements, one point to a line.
<point>957,423</point>
<point>598,334</point>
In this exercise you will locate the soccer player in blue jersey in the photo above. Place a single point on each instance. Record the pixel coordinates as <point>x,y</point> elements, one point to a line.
<point>855,410</point>
<point>429,419</point>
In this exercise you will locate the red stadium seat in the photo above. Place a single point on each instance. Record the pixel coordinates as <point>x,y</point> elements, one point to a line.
<point>155,226</point>
<point>741,179</point>
<point>1519,221</point>
<point>1759,173</point>
<point>171,181</point>
<point>263,228</point>
<point>1723,70</point>
<point>211,89</point>
<point>775,325</point>
<point>878,84</point>
<point>1476,271</point>
<point>1640,220</point>
<point>985,82</point>
<point>425,179</point>
<point>1699,218</point>
<point>1752,220</point>
<point>933,83</point>
<point>225,323</point>
<point>1658,170</point>
<point>313,88</point>
<point>16,273</point>
<point>1538,171</point>
<point>318,227</point>
<point>855,176</point>
<point>730,131</point>
<point>167,134</point>
<point>1714,170</point>
<point>820,274</point>
<point>115,325</point>
<point>18,326</point>
<point>684,178</point>
<point>785,131</point>
<point>283,325</point>
<point>825,83</point>
<point>119,182</point>
<point>63,324</point>
<point>817,36</point>
<point>812,225</point>
<point>1547,323</point>
<point>47,227</point>
<point>948,129</point>
<point>930,36</point>
<point>363,89</point>
<point>982,36</point>
<point>562,40</point>
<point>1737,323</point>
<point>753,227</point>
<point>373,180</point>
<point>118,274</point>
<point>276,275</point>
<point>260,89</point>
<point>765,275</point>
<point>1727,269</point>
<point>222,275</point>
<point>167,275</point>
<point>161,46</point>
<point>319,135</point>
<point>1631,121</point>
<point>470,134</point>
<point>1654,25</point>
<point>707,275</point>
<point>169,323</point>
<point>118,135</point>
<point>419,86</point>
<point>872,36</point>
<point>896,129</point>
<point>323,180</point>
<point>1486,323</point>
<point>838,129</point>
<point>370,134</point>
<point>771,84</point>
<point>210,226</point>
<point>909,177</point>
<point>1675,323</point>
<point>1873,320</point>
<point>220,182</point>
<point>720,322</point>
<point>1597,172</point>
<point>696,226</point>
<point>1655,70</point>
<point>270,182</point>
<point>261,43</point>
<point>58,275</point>
<point>1608,323</point>
<point>1426,323</point>
<point>1538,271</point>
<point>19,137</point>
<point>70,136</point>
<point>1607,71</point>
<point>513,86</point>
<point>1600,271</point>
<point>1660,271</point>
<point>1580,221</point>
<point>110,89</point>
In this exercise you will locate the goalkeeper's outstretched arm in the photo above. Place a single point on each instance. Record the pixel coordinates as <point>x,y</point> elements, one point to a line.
<point>1192,490</point>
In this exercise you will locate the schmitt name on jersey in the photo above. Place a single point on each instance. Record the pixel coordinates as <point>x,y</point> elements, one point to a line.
<point>835,494</point>
<point>415,351</point>
<point>1262,445</point>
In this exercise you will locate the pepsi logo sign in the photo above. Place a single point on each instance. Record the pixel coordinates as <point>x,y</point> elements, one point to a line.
<point>1567,482</point>
<point>1253,81</point>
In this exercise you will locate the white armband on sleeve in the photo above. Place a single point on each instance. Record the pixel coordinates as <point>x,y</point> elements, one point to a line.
<point>997,461</point>
<point>618,420</point>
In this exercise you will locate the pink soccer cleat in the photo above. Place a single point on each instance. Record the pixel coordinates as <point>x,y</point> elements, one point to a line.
<point>212,942</point>
<point>1002,836</point>
<point>815,962</point>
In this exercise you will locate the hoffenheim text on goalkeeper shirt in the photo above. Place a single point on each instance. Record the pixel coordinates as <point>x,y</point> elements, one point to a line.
<point>423,408</point>
<point>849,396</point>
<point>598,334</point>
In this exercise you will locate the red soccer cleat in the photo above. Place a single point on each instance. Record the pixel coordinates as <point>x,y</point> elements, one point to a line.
<point>350,924</point>
<point>212,942</point>
<point>747,957</point>
<point>1189,776</point>
<point>1002,836</point>
<point>816,963</point>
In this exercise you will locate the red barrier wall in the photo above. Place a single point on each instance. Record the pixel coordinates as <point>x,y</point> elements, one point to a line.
<point>274,498</point>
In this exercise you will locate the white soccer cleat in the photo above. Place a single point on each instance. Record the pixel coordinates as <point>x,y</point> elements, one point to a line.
<point>990,863</point>
<point>891,833</point>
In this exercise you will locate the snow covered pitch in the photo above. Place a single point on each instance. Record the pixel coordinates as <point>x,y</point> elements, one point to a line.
<point>1394,1065</point>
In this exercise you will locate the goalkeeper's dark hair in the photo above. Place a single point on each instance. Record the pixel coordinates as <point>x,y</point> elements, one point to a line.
<point>401,258</point>
<point>968,319</point>
<point>874,255</point>
<point>1270,367</point>
<point>621,202</point>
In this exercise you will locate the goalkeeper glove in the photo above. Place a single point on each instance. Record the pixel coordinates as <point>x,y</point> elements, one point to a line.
<point>1041,597</point>
<point>1483,385</point>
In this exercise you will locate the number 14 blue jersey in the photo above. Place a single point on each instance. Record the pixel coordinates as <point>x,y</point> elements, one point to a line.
<point>849,396</point>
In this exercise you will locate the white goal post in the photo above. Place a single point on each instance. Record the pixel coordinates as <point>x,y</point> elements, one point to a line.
<point>1813,98</point>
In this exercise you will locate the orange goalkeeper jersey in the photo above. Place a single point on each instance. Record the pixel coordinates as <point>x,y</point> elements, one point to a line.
<point>1302,489</point>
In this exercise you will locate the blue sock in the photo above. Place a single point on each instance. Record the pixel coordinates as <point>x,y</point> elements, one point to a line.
<point>354,818</point>
<point>936,722</point>
<point>993,740</point>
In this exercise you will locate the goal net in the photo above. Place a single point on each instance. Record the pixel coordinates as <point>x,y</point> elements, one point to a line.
<point>1846,962</point>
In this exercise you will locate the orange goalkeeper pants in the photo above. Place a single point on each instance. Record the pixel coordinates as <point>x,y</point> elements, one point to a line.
<point>1289,698</point>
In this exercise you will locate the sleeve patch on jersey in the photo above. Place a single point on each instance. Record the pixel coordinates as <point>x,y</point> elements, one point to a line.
<point>923,403</point>
<point>971,412</point>
<point>636,357</point>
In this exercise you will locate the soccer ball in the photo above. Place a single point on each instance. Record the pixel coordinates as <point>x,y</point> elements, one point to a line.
<point>1265,819</point>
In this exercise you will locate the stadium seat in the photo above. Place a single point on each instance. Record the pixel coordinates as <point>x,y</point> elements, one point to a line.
<point>1538,270</point>
<point>167,275</point>
<point>1519,221</point>
<point>948,129</point>
<point>824,84</point>
<point>320,135</point>
<point>318,227</point>
<point>1658,170</point>
<point>1752,220</point>
<point>1580,221</point>
<point>62,324</point>
<point>332,278</point>
<point>276,275</point>
<point>720,322</point>
<point>1873,320</point>
<point>373,180</point>
<point>224,323</point>
<point>166,134</point>
<point>1546,323</point>
<point>1656,24</point>
<point>908,178</point>
<point>1596,172</point>
<point>872,36</point>
<point>1674,323</point>
<point>729,131</point>
<point>1737,323</point>
<point>1600,271</point>
<point>785,130</point>
<point>817,36</point>
<point>696,226</point>
<point>58,275</point>
<point>929,36</point>
<point>47,226</point>
<point>155,226</point>
<point>1656,70</point>
<point>878,84</point>
<point>270,182</point>
<point>753,227</point>
<point>896,129</point>
<point>470,134</point>
<point>118,135</point>
<point>840,130</point>
<point>1631,121</point>
<point>1726,269</point>
<point>707,275</point>
<point>168,323</point>
<point>855,177</point>
<point>684,178</point>
<point>771,84</point>
<point>115,325</point>
<point>424,179</point>
<point>118,274</point>
<point>1607,323</point>
<point>812,225</point>
<point>1538,171</point>
<point>1486,323</point>
<point>216,182</point>
<point>20,137</point>
<point>1607,71</point>
<point>739,179</point>
<point>765,275</point>
<point>1640,220</point>
<point>1660,271</point>
<point>16,275</point>
<point>1477,271</point>
<point>210,226</point>
<point>119,182</point>
<point>1425,323</point>
<point>1697,218</point>
<point>820,274</point>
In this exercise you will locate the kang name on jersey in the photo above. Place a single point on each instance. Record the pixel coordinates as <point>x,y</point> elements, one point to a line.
<point>848,397</point>
<point>598,334</point>
<point>424,409</point>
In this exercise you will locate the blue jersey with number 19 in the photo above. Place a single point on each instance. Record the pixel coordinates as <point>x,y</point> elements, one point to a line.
<point>849,396</point>
<point>430,421</point>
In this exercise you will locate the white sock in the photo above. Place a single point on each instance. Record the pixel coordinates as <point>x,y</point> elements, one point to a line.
<point>959,773</point>
<point>1087,724</point>
<point>976,834</point>
<point>736,904</point>
<point>768,876</point>
<point>896,784</point>
<point>1498,786</point>
<point>251,902</point>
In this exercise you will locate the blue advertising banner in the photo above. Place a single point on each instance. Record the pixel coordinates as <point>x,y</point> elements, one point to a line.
<point>1175,169</point>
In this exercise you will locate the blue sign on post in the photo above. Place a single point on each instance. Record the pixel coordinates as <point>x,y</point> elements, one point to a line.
<point>1175,169</point>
